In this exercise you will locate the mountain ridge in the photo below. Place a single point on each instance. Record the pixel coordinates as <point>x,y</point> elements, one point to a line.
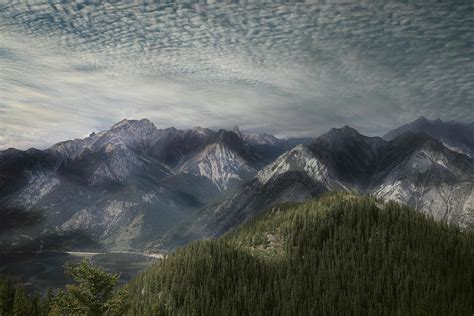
<point>134,186</point>
<point>456,136</point>
<point>413,169</point>
<point>126,184</point>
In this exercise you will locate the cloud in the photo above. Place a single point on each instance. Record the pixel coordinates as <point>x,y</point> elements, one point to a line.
<point>290,69</point>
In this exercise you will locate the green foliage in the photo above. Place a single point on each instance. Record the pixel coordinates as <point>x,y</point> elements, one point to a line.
<point>92,292</point>
<point>338,255</point>
<point>21,304</point>
<point>7,296</point>
<point>47,303</point>
<point>14,300</point>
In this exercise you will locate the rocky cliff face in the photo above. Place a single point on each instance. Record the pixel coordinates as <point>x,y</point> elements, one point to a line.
<point>413,168</point>
<point>124,186</point>
<point>135,186</point>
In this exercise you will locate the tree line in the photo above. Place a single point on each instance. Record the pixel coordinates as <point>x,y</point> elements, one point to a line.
<point>337,255</point>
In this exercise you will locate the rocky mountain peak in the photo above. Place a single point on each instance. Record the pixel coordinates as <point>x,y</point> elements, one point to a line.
<point>228,137</point>
<point>234,142</point>
<point>421,119</point>
<point>126,132</point>
<point>171,129</point>
<point>343,132</point>
<point>341,137</point>
<point>202,131</point>
<point>260,139</point>
<point>236,130</point>
<point>133,124</point>
<point>454,135</point>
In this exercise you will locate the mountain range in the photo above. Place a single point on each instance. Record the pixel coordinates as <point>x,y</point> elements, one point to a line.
<point>456,136</point>
<point>135,186</point>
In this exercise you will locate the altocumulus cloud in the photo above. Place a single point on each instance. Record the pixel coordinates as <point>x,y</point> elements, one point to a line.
<point>292,69</point>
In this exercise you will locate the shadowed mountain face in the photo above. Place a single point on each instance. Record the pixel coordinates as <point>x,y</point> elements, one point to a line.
<point>456,136</point>
<point>128,185</point>
<point>412,168</point>
<point>138,187</point>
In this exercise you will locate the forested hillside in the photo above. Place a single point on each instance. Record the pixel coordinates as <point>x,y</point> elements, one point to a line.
<point>339,254</point>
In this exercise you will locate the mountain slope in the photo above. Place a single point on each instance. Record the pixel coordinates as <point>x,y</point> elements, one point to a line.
<point>135,186</point>
<point>224,161</point>
<point>456,136</point>
<point>337,255</point>
<point>125,186</point>
<point>413,168</point>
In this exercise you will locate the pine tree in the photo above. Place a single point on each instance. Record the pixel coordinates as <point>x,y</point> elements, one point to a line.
<point>47,302</point>
<point>35,305</point>
<point>7,296</point>
<point>21,304</point>
<point>92,292</point>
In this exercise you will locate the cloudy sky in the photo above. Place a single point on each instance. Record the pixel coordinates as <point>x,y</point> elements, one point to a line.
<point>291,69</point>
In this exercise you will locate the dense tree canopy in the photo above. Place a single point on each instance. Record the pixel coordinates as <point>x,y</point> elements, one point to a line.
<point>14,300</point>
<point>337,255</point>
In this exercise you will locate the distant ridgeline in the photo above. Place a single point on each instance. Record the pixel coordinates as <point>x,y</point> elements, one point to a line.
<point>337,255</point>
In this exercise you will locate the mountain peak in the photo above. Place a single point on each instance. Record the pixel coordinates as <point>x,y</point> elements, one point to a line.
<point>422,122</point>
<point>421,119</point>
<point>228,136</point>
<point>237,131</point>
<point>454,135</point>
<point>125,124</point>
<point>260,138</point>
<point>202,131</point>
<point>343,137</point>
<point>345,131</point>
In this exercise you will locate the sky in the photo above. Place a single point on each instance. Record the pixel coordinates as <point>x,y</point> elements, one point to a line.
<point>69,69</point>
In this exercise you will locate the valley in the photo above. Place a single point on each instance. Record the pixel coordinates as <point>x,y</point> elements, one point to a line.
<point>38,271</point>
